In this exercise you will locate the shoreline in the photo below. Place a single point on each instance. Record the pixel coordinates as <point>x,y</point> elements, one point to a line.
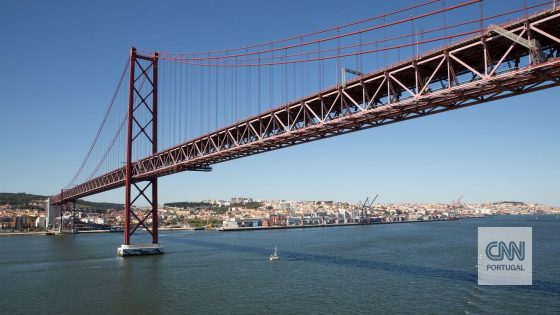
<point>241,229</point>
<point>44,233</point>
<point>23,233</point>
<point>264,228</point>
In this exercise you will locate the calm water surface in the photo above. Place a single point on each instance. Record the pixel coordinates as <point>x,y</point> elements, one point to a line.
<point>423,268</point>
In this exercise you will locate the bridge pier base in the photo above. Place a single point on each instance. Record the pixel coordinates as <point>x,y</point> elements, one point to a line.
<point>140,250</point>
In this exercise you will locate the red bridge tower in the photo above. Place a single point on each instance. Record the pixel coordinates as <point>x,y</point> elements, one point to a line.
<point>141,130</point>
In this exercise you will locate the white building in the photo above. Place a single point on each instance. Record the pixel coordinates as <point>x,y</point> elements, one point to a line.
<point>51,212</point>
<point>40,222</point>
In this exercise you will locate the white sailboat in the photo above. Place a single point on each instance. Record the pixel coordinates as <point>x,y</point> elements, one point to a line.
<point>274,255</point>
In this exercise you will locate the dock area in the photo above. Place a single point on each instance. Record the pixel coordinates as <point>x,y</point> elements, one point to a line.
<point>262,228</point>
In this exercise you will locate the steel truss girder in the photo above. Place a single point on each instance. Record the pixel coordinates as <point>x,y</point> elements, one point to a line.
<point>470,72</point>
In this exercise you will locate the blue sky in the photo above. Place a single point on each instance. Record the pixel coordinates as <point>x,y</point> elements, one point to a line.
<point>60,60</point>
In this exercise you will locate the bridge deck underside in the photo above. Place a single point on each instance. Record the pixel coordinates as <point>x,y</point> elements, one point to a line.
<point>481,69</point>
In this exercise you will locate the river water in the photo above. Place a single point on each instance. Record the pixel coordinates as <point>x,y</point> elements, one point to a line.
<point>423,268</point>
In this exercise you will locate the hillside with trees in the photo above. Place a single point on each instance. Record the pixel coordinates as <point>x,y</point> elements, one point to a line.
<point>30,201</point>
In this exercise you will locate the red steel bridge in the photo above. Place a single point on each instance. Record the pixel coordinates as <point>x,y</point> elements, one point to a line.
<point>209,107</point>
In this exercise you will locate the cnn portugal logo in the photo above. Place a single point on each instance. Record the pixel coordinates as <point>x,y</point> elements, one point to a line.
<point>505,256</point>
<point>496,251</point>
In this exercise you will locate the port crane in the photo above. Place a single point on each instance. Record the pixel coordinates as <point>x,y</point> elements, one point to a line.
<point>364,205</point>
<point>455,204</point>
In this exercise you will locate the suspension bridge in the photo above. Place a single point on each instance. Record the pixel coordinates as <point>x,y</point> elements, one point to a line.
<point>174,112</point>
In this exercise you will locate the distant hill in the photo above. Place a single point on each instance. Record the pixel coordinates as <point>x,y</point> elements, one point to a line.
<point>23,200</point>
<point>517,203</point>
<point>188,204</point>
<point>191,204</point>
<point>100,206</point>
<point>20,199</point>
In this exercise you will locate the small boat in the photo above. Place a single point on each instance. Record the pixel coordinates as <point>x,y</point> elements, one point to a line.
<point>274,255</point>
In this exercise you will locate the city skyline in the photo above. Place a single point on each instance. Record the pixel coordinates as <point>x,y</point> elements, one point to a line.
<point>503,150</point>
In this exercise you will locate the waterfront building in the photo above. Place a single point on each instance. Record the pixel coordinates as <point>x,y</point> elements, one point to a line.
<point>51,211</point>
<point>40,222</point>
